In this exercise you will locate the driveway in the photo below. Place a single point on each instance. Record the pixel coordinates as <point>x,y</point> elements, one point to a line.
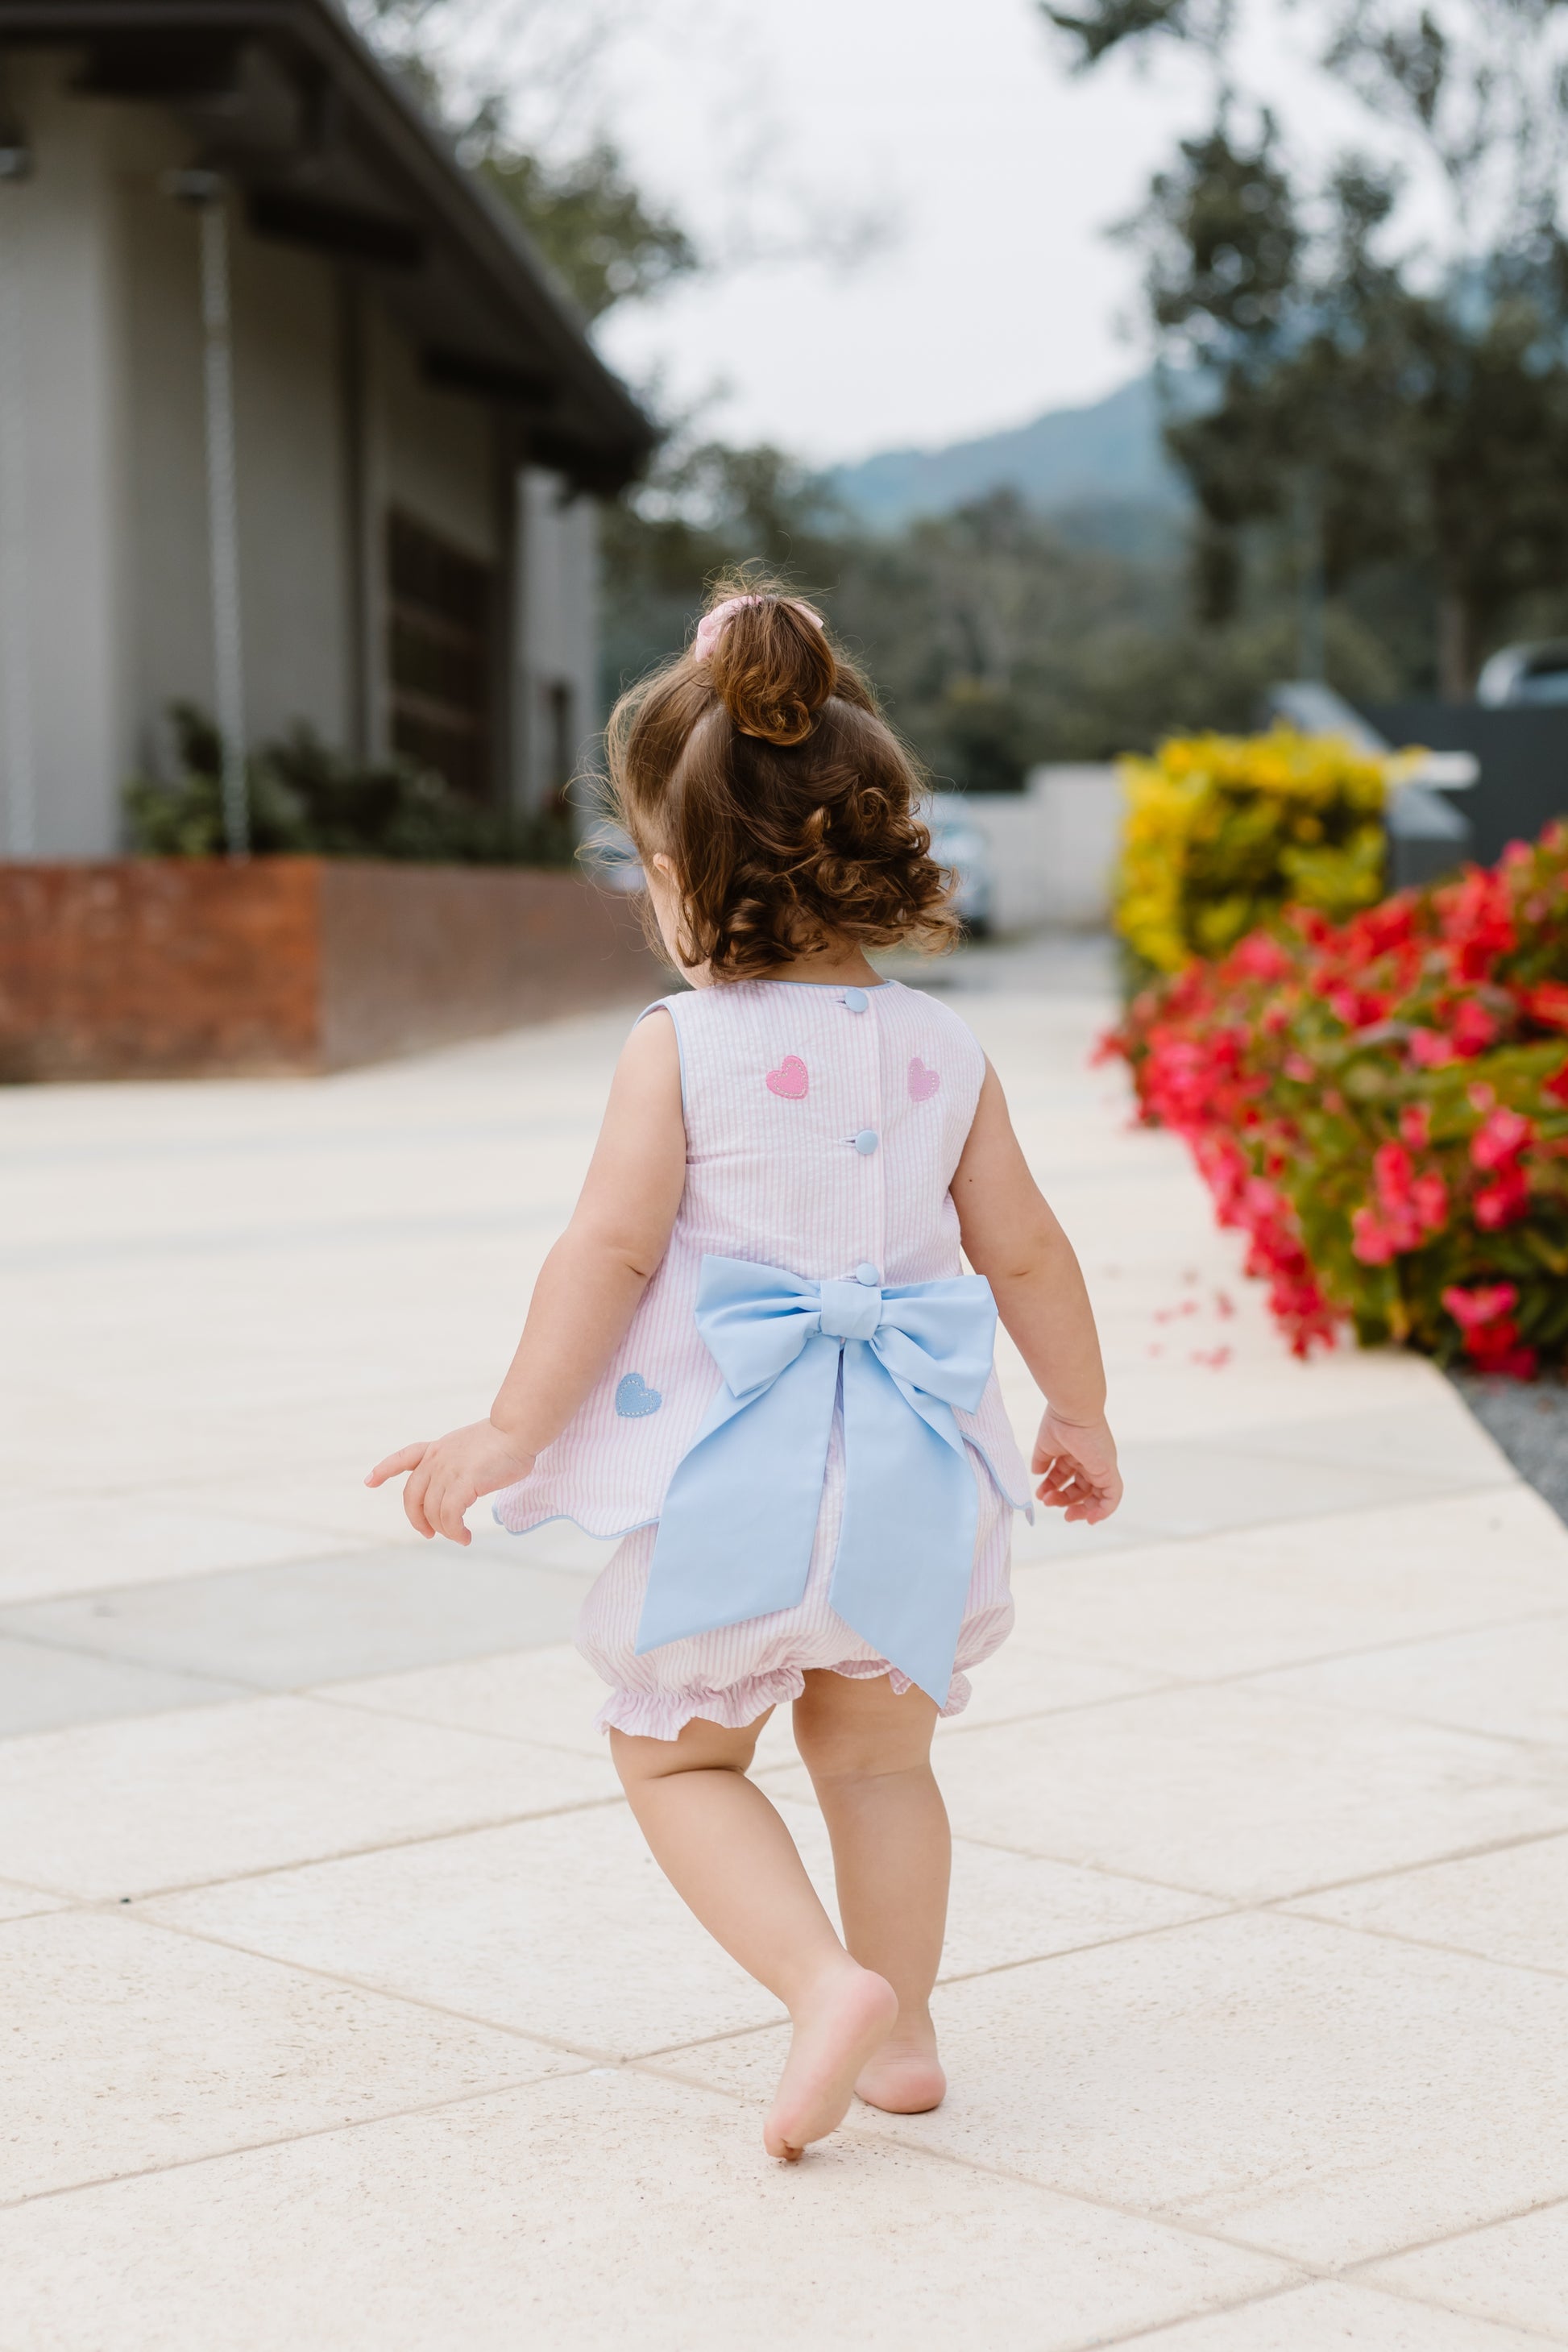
<point>345,2010</point>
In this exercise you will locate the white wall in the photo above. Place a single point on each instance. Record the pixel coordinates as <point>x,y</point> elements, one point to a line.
<point>289,459</point>
<point>63,265</point>
<point>102,266</point>
<point>292,496</point>
<point>1053,847</point>
<point>1081,810</point>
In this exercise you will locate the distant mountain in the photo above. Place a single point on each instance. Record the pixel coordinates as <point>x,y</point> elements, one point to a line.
<point>1108,456</point>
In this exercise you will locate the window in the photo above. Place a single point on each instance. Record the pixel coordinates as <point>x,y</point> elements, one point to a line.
<point>440,657</point>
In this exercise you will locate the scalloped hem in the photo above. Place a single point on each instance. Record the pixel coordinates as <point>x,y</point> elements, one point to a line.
<point>549,1519</point>
<point>664,1715</point>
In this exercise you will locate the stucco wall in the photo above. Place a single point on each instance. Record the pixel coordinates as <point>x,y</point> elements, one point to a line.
<point>292,497</point>
<point>69,543</point>
<point>290,452</point>
<point>105,268</point>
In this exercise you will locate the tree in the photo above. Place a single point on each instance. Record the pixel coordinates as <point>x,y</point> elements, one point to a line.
<point>568,187</point>
<point>1378,401</point>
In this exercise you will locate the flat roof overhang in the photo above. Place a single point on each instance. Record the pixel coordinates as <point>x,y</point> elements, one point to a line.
<point>329,152</point>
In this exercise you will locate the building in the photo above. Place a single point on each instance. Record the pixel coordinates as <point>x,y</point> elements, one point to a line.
<point>293,422</point>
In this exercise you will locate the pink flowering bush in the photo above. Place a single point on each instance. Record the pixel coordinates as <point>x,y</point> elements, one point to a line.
<point>1381,1106</point>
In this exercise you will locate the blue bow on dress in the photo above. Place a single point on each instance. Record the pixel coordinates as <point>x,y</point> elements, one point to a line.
<point>739,1521</point>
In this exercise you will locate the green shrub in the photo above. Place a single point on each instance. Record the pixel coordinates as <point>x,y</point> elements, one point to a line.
<point>309,801</point>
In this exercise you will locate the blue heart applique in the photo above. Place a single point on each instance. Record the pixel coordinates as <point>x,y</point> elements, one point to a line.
<point>634,1398</point>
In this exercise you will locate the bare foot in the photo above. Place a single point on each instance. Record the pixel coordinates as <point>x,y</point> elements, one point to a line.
<point>905,2078</point>
<point>837,2029</point>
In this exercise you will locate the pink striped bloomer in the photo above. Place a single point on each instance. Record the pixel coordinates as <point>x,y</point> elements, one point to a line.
<point>823,1127</point>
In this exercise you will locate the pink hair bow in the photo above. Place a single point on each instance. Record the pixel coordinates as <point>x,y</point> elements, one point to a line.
<point>712,625</point>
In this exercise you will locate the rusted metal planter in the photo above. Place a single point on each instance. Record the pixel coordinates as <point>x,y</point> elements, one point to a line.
<point>142,968</point>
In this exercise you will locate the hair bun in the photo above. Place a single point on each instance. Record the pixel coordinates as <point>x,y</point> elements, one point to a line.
<point>772,669</point>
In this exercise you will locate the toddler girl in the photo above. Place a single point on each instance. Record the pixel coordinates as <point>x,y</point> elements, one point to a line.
<point>753,1355</point>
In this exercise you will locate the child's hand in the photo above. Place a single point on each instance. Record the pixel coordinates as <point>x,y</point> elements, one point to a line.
<point>1076,1463</point>
<point>446,1474</point>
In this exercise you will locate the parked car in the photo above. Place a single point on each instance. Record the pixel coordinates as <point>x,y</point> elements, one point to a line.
<point>611,858</point>
<point>957,843</point>
<point>1523,674</point>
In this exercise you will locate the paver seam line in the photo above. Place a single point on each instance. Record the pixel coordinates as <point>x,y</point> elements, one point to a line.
<point>591,2053</point>
<point>1181,2224</point>
<point>329,1694</point>
<point>1285,1518</point>
<point>1268,1902</point>
<point>1307,2271</point>
<point>244,1689</point>
<point>959,1976</point>
<point>280,2140</point>
<point>74,1895</point>
<point>1217,2311</point>
<point>1104,1943</point>
<point>1454,2237</point>
<point>1505,1474</point>
<point>119,1658</point>
<point>272,1142</point>
<point>1429,1944</point>
<point>1246,1675</point>
<point>1409,1869</point>
<point>1160,1684</point>
<point>870,2140</point>
<point>46,1258</point>
<point>1167,1685</point>
<point>1163,1684</point>
<point>1310,2271</point>
<point>1155,1543</point>
<point>1433,1722</point>
<point>1334,2278</point>
<point>591,1804</point>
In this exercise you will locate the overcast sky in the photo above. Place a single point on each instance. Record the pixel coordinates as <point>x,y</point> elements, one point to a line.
<point>994,292</point>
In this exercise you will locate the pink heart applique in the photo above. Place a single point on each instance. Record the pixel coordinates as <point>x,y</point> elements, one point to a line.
<point>789,1079</point>
<point>924,1083</point>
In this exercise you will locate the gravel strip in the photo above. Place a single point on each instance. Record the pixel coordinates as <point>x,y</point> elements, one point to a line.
<point>1529,1419</point>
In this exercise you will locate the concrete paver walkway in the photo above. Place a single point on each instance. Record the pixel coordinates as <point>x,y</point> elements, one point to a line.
<point>345,2009</point>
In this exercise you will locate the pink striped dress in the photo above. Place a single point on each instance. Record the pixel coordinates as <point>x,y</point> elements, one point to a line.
<point>823,1128</point>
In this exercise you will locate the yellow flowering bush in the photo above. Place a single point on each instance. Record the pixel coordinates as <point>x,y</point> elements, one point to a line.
<point>1223,830</point>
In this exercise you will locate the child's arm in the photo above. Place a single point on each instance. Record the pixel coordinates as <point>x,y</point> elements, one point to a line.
<point>1011,1237</point>
<point>587,1290</point>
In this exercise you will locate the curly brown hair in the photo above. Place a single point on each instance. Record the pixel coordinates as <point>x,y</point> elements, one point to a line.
<point>766,774</point>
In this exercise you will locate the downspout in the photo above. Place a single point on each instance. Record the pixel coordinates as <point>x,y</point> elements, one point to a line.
<point>205,193</point>
<point>15,667</point>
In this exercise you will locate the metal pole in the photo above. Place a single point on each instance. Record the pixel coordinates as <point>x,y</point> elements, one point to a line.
<point>222,522</point>
<point>16,668</point>
<point>1310,584</point>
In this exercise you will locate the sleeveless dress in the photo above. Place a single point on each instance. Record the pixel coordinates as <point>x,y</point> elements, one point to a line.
<point>823,1125</point>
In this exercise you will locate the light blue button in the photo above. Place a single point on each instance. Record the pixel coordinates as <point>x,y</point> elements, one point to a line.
<point>855,1000</point>
<point>869,1273</point>
<point>866,1141</point>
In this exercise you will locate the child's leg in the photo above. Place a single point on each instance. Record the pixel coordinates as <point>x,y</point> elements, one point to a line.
<point>727,1853</point>
<point>868,1754</point>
